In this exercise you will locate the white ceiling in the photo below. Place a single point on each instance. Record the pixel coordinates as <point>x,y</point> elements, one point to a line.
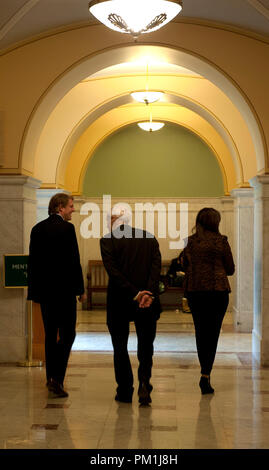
<point>23,19</point>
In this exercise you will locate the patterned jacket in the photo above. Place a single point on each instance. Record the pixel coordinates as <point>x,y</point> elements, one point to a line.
<point>207,261</point>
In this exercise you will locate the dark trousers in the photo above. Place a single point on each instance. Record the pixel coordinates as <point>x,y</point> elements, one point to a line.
<point>208,310</point>
<point>145,324</point>
<point>59,318</point>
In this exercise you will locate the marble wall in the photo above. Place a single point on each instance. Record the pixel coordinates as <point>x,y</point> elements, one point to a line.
<point>260,334</point>
<point>18,215</point>
<point>244,258</point>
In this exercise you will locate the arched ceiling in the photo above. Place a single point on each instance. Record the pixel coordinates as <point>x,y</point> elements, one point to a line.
<point>124,115</point>
<point>94,108</point>
<point>22,20</point>
<point>67,114</point>
<point>97,89</point>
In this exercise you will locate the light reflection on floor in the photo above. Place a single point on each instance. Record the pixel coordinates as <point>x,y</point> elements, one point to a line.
<point>236,417</point>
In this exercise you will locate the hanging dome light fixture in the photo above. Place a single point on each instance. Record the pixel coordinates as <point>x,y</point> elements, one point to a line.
<point>146,96</point>
<point>150,126</point>
<point>135,17</point>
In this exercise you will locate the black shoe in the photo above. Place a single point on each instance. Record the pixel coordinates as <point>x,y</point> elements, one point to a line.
<point>56,390</point>
<point>144,393</point>
<point>124,399</point>
<point>124,395</point>
<point>205,385</point>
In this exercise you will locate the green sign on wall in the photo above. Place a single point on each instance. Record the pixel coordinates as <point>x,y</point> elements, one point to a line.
<point>15,270</point>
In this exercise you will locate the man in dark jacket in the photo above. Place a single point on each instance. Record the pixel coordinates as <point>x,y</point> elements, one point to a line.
<point>54,280</point>
<point>133,262</point>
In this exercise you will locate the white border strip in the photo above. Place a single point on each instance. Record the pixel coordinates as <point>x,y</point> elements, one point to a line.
<point>260,7</point>
<point>17,17</point>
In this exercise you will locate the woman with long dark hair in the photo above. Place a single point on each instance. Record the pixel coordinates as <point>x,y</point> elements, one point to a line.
<point>207,261</point>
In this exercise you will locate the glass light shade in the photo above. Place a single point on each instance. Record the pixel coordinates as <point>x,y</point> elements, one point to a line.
<point>150,126</point>
<point>147,96</point>
<point>135,16</point>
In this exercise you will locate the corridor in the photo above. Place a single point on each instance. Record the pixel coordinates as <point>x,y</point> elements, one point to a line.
<point>235,417</point>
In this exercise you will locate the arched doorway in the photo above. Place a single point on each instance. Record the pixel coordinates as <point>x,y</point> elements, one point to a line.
<point>90,65</point>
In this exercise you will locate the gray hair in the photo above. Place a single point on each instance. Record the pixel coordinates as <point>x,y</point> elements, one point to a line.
<point>123,213</point>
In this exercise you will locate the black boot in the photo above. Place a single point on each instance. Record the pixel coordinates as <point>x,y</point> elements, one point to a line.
<point>56,389</point>
<point>205,385</point>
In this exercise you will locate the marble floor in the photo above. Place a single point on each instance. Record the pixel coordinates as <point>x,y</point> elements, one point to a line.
<point>235,417</point>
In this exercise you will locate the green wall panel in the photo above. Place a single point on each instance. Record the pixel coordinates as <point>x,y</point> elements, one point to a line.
<point>171,162</point>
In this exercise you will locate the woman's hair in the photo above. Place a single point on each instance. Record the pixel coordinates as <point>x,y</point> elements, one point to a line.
<point>208,219</point>
<point>58,200</point>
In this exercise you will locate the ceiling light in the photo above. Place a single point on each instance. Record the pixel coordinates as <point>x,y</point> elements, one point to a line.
<point>150,126</point>
<point>147,97</point>
<point>135,16</point>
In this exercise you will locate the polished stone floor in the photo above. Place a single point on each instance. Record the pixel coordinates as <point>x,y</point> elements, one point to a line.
<point>235,417</point>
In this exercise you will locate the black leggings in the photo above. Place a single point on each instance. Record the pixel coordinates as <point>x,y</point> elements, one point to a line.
<point>208,310</point>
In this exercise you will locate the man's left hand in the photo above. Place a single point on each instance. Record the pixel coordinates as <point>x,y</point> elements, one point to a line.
<point>82,298</point>
<point>145,301</point>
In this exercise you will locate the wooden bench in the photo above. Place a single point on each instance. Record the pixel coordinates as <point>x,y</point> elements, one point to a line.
<point>178,291</point>
<point>98,281</point>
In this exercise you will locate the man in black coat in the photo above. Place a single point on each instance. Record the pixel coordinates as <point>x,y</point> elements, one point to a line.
<point>133,262</point>
<point>54,280</point>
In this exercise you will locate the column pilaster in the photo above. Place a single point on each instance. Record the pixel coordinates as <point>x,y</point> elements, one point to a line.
<point>18,215</point>
<point>260,333</point>
<point>244,258</point>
